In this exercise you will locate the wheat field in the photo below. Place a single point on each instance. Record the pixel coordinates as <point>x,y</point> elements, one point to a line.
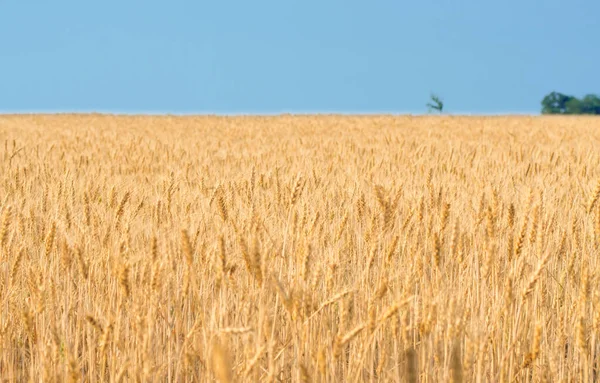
<point>299,249</point>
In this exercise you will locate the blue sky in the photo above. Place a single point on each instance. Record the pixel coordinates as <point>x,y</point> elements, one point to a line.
<point>232,57</point>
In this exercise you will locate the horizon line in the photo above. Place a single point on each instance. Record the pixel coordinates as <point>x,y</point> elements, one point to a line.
<point>259,114</point>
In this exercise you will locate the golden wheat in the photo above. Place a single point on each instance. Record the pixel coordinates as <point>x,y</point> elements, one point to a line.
<point>299,248</point>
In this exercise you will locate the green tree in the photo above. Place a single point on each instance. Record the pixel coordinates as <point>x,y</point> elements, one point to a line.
<point>435,104</point>
<point>558,103</point>
<point>574,106</point>
<point>590,104</point>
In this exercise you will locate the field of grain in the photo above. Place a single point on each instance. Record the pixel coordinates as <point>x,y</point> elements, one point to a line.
<point>299,248</point>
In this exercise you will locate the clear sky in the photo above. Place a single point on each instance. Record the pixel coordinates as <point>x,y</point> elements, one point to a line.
<point>323,56</point>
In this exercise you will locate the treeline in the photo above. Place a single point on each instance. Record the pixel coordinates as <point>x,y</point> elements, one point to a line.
<point>558,103</point>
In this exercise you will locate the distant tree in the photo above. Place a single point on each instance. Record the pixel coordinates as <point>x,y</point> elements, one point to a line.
<point>574,106</point>
<point>555,103</point>
<point>558,103</point>
<point>590,104</point>
<point>435,104</point>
